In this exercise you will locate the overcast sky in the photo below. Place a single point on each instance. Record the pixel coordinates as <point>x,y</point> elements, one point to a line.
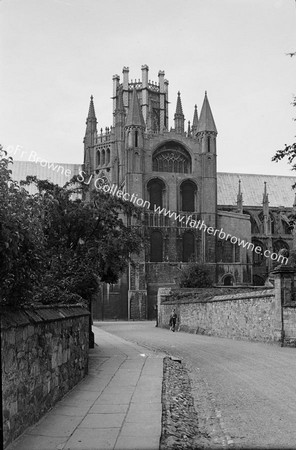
<point>56,53</point>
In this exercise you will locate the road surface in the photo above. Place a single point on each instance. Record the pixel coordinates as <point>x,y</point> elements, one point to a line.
<point>244,392</point>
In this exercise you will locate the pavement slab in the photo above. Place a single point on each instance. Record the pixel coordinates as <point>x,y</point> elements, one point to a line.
<point>117,406</point>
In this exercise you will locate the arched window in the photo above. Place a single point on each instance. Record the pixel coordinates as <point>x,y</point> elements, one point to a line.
<point>258,255</point>
<point>108,156</point>
<point>103,157</point>
<point>156,189</point>
<point>98,158</point>
<point>228,280</point>
<point>188,246</point>
<point>156,246</point>
<point>188,191</point>
<point>209,144</point>
<point>171,157</point>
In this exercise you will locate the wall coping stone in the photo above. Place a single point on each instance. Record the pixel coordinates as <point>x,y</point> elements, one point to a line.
<point>11,318</point>
<point>241,296</point>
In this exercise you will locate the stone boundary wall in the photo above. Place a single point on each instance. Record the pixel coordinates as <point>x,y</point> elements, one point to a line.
<point>252,315</point>
<point>44,355</point>
<point>289,321</point>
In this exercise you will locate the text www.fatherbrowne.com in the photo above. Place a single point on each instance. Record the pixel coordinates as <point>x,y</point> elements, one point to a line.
<point>114,190</point>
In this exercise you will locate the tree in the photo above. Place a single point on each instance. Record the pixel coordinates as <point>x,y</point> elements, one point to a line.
<point>85,242</point>
<point>21,239</point>
<point>54,246</point>
<point>196,276</point>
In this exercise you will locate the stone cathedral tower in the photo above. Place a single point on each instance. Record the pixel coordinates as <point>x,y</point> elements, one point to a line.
<point>164,167</point>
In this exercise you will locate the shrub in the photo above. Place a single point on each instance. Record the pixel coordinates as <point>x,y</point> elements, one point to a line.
<point>196,276</point>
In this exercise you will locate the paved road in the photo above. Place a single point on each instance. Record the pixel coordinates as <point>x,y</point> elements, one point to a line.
<point>244,392</point>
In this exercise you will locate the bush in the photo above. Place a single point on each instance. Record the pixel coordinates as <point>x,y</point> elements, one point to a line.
<point>196,276</point>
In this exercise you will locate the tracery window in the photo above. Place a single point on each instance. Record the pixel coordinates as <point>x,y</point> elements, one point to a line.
<point>171,157</point>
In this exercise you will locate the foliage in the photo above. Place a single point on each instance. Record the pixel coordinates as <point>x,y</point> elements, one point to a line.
<point>21,239</point>
<point>57,247</point>
<point>196,276</point>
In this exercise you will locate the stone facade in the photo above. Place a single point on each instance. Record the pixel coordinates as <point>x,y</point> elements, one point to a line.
<point>155,166</point>
<point>44,355</point>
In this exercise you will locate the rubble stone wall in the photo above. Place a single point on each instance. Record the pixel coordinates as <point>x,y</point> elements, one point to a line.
<point>289,319</point>
<point>44,355</point>
<point>248,315</point>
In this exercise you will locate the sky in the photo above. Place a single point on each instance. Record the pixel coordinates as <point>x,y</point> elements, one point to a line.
<point>54,54</point>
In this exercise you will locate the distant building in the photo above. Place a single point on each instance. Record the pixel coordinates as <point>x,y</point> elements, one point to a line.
<point>175,168</point>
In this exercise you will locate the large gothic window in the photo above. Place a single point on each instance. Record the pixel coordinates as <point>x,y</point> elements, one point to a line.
<point>98,158</point>
<point>156,246</point>
<point>108,156</point>
<point>171,157</point>
<point>156,189</point>
<point>188,192</point>
<point>188,246</point>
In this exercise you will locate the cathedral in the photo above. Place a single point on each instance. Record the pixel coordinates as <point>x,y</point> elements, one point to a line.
<point>172,173</point>
<point>187,205</point>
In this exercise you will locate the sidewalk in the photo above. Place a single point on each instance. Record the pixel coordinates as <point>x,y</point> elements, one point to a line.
<point>117,406</point>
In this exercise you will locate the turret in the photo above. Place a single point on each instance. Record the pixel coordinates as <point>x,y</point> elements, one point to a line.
<point>206,128</point>
<point>134,135</point>
<point>266,216</point>
<point>179,116</point>
<point>239,201</point>
<point>91,125</point>
<point>195,121</point>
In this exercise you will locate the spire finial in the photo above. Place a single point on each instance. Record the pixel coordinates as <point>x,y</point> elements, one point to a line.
<point>239,200</point>
<point>179,116</point>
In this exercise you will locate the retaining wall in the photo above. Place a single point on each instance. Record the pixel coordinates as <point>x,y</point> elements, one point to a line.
<point>289,320</point>
<point>44,355</point>
<point>250,315</point>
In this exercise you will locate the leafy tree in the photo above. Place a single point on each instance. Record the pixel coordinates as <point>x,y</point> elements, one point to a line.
<point>85,242</point>
<point>54,246</point>
<point>21,239</point>
<point>196,276</point>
